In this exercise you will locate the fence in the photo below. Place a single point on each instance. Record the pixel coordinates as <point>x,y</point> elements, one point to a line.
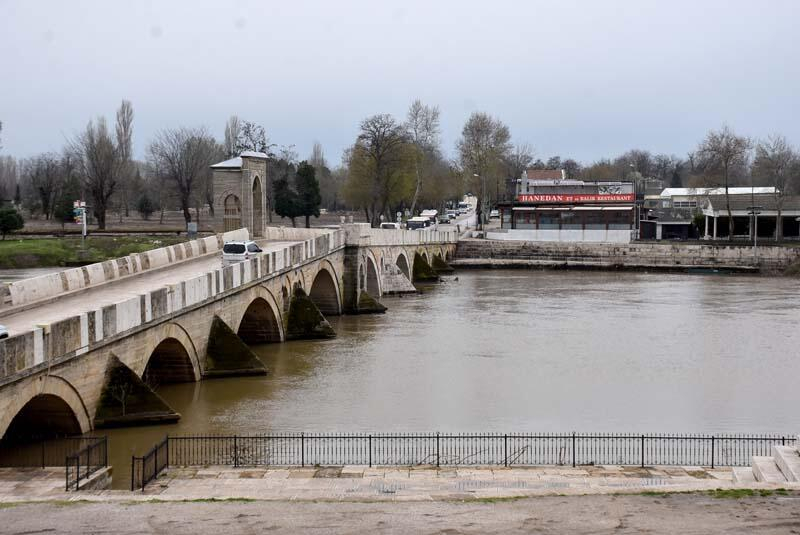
<point>86,461</point>
<point>146,468</point>
<point>443,449</point>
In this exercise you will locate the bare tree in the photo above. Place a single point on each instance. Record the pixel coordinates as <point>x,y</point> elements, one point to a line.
<point>485,142</point>
<point>233,130</point>
<point>8,178</point>
<point>124,131</point>
<point>183,156</point>
<point>722,151</point>
<point>41,179</point>
<point>422,127</point>
<point>516,163</point>
<point>777,163</point>
<point>97,159</point>
<point>378,167</point>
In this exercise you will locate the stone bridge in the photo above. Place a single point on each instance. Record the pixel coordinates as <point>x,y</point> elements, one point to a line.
<point>88,345</point>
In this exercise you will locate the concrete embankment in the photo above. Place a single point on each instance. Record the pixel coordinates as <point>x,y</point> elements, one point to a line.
<point>474,253</point>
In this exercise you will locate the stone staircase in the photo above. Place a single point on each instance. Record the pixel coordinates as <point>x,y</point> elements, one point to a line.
<point>782,467</point>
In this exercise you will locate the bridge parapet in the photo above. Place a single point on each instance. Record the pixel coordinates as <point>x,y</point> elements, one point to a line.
<point>45,345</point>
<point>361,234</point>
<point>28,291</point>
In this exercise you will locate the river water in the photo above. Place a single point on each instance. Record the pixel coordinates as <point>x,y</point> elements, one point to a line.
<point>523,351</point>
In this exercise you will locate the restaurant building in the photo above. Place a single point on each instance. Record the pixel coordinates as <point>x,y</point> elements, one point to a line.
<point>570,211</point>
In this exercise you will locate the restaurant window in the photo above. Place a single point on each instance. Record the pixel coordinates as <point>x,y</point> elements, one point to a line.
<point>549,220</point>
<point>594,220</point>
<point>525,220</point>
<point>619,220</point>
<point>571,221</point>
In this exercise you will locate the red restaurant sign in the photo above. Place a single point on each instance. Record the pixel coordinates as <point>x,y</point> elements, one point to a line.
<point>577,198</point>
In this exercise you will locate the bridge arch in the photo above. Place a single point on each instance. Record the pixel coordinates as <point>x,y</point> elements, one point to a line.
<point>48,406</point>
<point>172,358</point>
<point>325,290</point>
<point>261,321</point>
<point>373,280</point>
<point>403,264</point>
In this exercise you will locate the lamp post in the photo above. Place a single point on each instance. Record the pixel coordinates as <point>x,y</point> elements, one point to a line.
<point>754,211</point>
<point>482,201</point>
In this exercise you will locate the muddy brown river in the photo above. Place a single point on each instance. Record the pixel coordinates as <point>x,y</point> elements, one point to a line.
<point>513,351</point>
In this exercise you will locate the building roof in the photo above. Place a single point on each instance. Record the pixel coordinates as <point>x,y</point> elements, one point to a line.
<point>704,192</point>
<point>742,203</point>
<point>236,163</point>
<point>545,174</point>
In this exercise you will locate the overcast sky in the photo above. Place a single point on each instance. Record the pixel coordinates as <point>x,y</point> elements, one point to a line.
<point>582,79</point>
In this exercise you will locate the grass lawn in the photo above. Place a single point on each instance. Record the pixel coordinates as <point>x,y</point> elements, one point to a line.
<point>52,252</point>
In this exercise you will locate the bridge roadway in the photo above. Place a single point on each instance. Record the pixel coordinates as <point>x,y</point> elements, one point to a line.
<point>115,291</point>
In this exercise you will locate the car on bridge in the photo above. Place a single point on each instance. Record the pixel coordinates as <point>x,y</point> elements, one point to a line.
<point>238,251</point>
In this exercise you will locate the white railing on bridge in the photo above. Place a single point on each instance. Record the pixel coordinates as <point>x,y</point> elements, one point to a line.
<point>362,234</point>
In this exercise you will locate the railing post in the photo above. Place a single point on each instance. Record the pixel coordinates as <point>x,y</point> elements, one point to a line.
<point>642,451</point>
<point>235,452</point>
<point>155,462</point>
<point>302,449</point>
<point>66,473</point>
<point>42,453</point>
<point>712,451</point>
<point>133,473</point>
<point>505,450</point>
<point>437,449</point>
<point>573,449</point>
<point>370,450</point>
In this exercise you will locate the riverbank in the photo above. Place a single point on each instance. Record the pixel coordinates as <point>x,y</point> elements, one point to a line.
<point>713,257</point>
<point>72,251</point>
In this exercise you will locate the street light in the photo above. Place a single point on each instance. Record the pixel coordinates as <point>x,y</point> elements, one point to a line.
<point>482,199</point>
<point>754,211</point>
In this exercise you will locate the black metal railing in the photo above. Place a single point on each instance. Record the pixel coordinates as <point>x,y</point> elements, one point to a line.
<point>92,457</point>
<point>448,449</point>
<point>49,452</point>
<point>146,468</point>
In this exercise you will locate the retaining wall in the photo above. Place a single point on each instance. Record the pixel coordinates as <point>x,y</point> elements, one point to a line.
<point>491,253</point>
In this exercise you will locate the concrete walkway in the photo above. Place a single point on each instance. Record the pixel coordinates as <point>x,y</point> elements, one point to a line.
<point>358,483</point>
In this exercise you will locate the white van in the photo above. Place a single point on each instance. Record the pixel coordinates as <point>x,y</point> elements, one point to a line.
<point>418,223</point>
<point>237,251</point>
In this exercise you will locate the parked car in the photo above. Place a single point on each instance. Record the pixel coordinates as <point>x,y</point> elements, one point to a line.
<point>237,251</point>
<point>494,214</point>
<point>444,218</point>
<point>390,226</point>
<point>3,332</point>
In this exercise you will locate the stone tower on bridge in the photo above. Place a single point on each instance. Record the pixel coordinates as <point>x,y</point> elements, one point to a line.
<point>240,193</point>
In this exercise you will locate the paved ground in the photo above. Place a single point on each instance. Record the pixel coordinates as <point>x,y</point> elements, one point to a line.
<point>673,513</point>
<point>358,483</point>
<point>117,291</point>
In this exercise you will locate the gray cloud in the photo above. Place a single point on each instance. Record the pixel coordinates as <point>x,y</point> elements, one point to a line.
<point>576,78</point>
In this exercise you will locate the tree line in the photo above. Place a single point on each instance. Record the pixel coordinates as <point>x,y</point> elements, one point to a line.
<point>393,166</point>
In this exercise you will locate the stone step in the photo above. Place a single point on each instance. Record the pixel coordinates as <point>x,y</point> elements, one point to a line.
<point>766,471</point>
<point>743,474</point>
<point>788,460</point>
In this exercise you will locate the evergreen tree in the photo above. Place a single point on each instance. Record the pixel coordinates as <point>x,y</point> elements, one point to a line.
<point>10,220</point>
<point>308,194</point>
<point>286,200</point>
<point>145,206</point>
<point>64,208</point>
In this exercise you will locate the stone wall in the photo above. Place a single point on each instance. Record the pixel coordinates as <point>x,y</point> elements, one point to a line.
<point>674,256</point>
